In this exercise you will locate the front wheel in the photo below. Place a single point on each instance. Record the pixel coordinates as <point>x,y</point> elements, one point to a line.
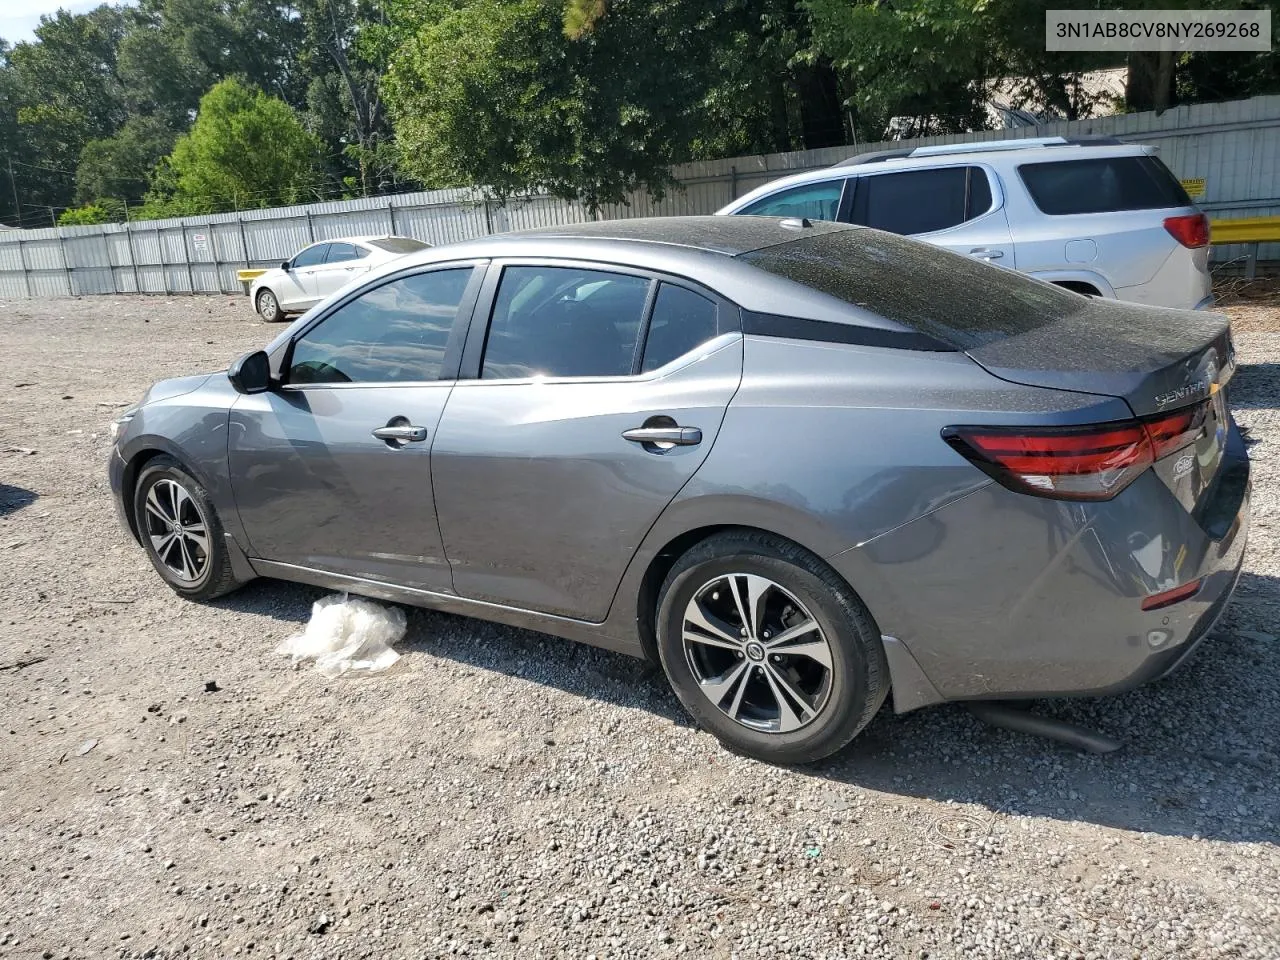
<point>180,531</point>
<point>268,306</point>
<point>769,649</point>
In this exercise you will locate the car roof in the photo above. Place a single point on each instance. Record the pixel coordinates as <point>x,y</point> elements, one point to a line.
<point>704,250</point>
<point>364,238</point>
<point>996,153</point>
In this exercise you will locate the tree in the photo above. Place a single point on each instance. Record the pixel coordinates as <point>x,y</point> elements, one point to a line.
<point>494,93</point>
<point>120,166</point>
<point>245,149</point>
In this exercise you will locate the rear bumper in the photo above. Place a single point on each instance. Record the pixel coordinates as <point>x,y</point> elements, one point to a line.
<point>1004,596</point>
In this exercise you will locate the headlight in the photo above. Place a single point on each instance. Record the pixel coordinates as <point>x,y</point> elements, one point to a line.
<point>119,423</point>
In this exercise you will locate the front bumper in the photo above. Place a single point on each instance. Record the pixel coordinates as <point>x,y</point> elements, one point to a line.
<point>1003,596</point>
<point>115,475</point>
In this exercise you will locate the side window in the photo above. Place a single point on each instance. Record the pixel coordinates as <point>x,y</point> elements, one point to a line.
<point>921,201</point>
<point>817,201</point>
<point>311,255</point>
<point>681,321</point>
<point>394,332</point>
<point>338,252</point>
<point>564,322</point>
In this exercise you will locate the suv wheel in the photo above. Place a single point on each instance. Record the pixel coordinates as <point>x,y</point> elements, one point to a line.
<point>769,649</point>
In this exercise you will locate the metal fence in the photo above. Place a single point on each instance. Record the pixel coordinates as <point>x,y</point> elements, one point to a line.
<point>1233,147</point>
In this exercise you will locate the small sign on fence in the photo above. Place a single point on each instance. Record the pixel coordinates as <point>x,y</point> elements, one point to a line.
<point>199,241</point>
<point>1194,187</point>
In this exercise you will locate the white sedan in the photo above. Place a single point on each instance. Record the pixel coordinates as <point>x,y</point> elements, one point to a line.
<point>323,268</point>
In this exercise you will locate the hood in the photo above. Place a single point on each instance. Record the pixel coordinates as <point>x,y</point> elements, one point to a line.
<point>177,387</point>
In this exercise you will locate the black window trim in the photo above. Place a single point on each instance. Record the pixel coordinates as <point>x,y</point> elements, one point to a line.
<point>830,331</point>
<point>993,185</point>
<point>728,317</point>
<point>282,356</point>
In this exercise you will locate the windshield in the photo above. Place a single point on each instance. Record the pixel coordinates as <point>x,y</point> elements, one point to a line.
<point>398,244</point>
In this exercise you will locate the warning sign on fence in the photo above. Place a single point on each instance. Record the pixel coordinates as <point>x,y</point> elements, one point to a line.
<point>1194,187</point>
<point>200,241</point>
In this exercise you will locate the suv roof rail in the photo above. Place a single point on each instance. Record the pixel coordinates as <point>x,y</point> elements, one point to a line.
<point>981,146</point>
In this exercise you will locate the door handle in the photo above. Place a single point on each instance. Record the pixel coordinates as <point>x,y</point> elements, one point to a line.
<point>676,436</point>
<point>406,433</point>
<point>982,253</point>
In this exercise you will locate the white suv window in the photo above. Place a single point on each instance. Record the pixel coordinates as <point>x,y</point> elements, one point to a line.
<point>816,201</point>
<point>921,201</point>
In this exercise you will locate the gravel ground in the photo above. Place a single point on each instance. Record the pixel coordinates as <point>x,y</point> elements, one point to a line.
<point>506,794</point>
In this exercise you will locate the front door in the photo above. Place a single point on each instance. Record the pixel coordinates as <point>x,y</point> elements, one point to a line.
<point>598,396</point>
<point>332,470</point>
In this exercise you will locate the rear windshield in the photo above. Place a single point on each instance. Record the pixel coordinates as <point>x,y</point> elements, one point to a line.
<point>952,298</point>
<point>399,244</point>
<point>1102,185</point>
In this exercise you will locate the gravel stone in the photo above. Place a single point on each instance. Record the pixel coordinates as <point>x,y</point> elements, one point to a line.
<point>507,794</point>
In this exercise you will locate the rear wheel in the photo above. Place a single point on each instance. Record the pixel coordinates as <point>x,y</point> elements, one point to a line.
<point>769,649</point>
<point>268,306</point>
<point>180,531</point>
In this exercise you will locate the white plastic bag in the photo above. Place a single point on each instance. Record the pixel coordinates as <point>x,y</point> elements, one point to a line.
<point>348,635</point>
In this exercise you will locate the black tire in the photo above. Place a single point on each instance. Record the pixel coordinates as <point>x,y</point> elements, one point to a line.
<point>268,306</point>
<point>211,567</point>
<point>855,684</point>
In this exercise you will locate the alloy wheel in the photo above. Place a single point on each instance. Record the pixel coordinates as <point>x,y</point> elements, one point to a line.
<point>267,305</point>
<point>177,530</point>
<point>757,653</point>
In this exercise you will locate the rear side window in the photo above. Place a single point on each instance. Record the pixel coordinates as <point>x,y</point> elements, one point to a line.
<point>399,244</point>
<point>921,201</point>
<point>393,333</point>
<point>1102,185</point>
<point>681,321</point>
<point>338,252</point>
<point>564,322</point>
<point>951,298</point>
<point>816,201</point>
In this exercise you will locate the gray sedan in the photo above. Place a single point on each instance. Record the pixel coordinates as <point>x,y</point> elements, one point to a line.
<point>803,466</point>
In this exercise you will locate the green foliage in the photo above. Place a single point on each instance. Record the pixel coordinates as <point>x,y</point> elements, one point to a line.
<point>583,98</point>
<point>494,93</point>
<point>120,166</point>
<point>244,150</point>
<point>106,210</point>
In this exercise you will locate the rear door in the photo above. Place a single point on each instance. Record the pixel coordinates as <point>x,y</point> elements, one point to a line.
<point>331,471</point>
<point>594,395</point>
<point>959,208</point>
<point>298,286</point>
<point>345,262</point>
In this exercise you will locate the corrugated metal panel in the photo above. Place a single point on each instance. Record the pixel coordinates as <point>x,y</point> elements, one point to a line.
<point>11,255</point>
<point>44,254</point>
<point>45,283</point>
<point>13,286</point>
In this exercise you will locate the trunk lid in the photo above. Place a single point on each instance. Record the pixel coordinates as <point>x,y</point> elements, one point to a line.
<point>1160,361</point>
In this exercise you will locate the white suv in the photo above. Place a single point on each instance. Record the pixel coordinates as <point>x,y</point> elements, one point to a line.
<point>1095,215</point>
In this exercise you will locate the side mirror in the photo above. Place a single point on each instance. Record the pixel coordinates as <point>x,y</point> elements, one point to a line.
<point>287,266</point>
<point>251,373</point>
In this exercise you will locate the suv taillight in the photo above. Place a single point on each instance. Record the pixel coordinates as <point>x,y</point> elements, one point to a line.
<point>1191,230</point>
<point>1093,462</point>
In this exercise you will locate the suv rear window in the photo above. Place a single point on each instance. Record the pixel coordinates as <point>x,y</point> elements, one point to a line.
<point>949,297</point>
<point>1102,185</point>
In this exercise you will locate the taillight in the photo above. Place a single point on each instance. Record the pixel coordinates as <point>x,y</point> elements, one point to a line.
<point>1191,230</point>
<point>1173,431</point>
<point>1093,462</point>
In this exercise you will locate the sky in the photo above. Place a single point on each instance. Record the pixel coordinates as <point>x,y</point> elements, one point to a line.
<point>19,18</point>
